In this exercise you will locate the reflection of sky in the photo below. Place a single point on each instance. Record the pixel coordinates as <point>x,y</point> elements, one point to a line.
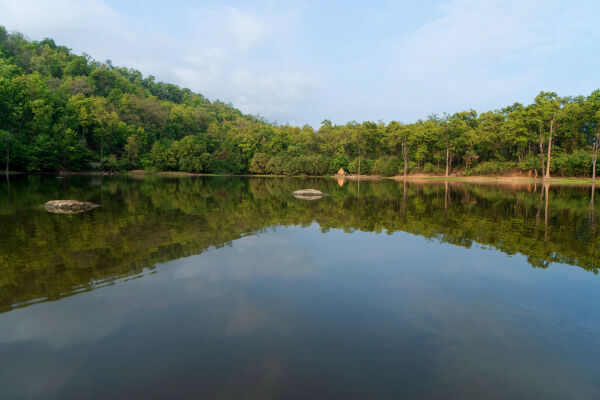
<point>297,311</point>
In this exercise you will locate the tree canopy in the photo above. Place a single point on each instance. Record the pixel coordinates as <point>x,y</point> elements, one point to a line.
<point>61,110</point>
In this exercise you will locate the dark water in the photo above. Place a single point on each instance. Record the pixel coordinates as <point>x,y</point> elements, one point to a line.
<point>231,288</point>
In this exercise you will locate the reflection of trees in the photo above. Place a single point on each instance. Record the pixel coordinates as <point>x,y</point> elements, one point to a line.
<point>592,205</point>
<point>149,221</point>
<point>546,189</point>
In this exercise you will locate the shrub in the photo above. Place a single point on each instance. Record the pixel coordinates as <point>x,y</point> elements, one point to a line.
<point>301,165</point>
<point>110,163</point>
<point>529,163</point>
<point>338,161</point>
<point>43,154</point>
<point>365,166</point>
<point>578,163</point>
<point>429,168</point>
<point>386,165</point>
<point>492,168</point>
<point>258,163</point>
<point>412,166</point>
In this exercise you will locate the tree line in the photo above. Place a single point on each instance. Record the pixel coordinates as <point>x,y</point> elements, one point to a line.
<point>66,111</point>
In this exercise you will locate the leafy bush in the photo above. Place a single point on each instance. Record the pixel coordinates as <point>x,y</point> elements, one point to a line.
<point>429,168</point>
<point>258,163</point>
<point>110,163</point>
<point>43,154</point>
<point>578,163</point>
<point>338,161</point>
<point>365,166</point>
<point>386,165</point>
<point>529,163</point>
<point>412,166</point>
<point>492,168</point>
<point>302,165</point>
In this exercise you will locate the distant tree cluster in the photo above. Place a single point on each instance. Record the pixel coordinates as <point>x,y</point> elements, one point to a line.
<point>60,110</point>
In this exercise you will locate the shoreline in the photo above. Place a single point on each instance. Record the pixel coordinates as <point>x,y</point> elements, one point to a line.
<point>499,179</point>
<point>487,179</point>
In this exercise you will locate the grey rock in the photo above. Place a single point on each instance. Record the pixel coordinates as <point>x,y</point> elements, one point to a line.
<point>308,192</point>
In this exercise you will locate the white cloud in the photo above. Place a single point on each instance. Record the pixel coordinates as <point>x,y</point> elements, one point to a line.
<point>224,54</point>
<point>304,61</point>
<point>92,27</point>
<point>477,52</point>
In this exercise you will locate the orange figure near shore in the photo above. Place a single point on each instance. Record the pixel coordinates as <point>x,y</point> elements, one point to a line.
<point>340,180</point>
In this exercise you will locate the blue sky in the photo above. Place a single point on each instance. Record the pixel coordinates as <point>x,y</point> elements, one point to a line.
<point>303,61</point>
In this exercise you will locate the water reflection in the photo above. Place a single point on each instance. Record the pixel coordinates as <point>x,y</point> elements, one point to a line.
<point>294,313</point>
<point>232,288</point>
<point>145,221</point>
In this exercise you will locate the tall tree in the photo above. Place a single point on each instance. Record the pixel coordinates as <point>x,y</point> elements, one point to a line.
<point>10,113</point>
<point>549,106</point>
<point>593,126</point>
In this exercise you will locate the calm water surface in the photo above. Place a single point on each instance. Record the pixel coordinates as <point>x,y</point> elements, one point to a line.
<point>231,288</point>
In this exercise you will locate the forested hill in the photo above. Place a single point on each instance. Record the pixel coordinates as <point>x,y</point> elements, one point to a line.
<point>59,110</point>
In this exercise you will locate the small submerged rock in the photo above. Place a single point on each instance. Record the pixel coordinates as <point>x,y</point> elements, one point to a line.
<point>308,194</point>
<point>69,206</point>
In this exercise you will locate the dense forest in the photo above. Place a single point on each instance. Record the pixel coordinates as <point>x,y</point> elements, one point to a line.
<point>61,111</point>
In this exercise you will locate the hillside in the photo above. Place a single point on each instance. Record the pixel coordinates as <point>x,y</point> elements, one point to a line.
<point>66,111</point>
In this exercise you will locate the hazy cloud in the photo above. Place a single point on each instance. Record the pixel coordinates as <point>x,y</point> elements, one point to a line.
<point>304,61</point>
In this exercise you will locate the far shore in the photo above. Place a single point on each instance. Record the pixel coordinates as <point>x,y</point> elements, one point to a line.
<point>419,177</point>
<point>500,179</point>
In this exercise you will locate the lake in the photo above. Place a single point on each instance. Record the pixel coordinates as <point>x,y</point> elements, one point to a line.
<point>231,288</point>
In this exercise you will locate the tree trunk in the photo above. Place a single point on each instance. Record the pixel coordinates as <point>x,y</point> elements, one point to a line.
<point>549,149</point>
<point>595,155</point>
<point>447,155</point>
<point>359,160</point>
<point>405,156</point>
<point>542,151</point>
<point>101,148</point>
<point>594,159</point>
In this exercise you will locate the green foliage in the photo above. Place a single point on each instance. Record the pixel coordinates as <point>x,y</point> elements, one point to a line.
<point>43,155</point>
<point>577,163</point>
<point>386,166</point>
<point>110,163</point>
<point>62,111</point>
<point>429,168</point>
<point>529,163</point>
<point>338,161</point>
<point>258,164</point>
<point>187,155</point>
<point>314,165</point>
<point>412,167</point>
<point>493,168</point>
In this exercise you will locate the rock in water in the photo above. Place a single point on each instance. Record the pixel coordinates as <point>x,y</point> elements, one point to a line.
<point>69,206</point>
<point>308,194</point>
